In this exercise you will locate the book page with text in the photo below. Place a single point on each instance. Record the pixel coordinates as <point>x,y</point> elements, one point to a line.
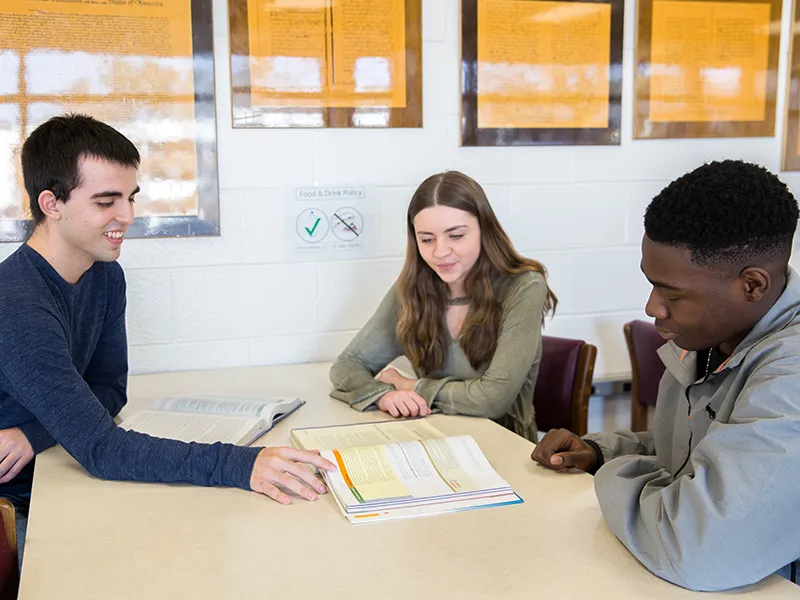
<point>391,472</point>
<point>460,461</point>
<point>365,434</point>
<point>403,473</point>
<point>239,406</point>
<point>205,429</point>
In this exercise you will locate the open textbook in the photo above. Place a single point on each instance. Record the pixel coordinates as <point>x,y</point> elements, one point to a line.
<point>210,418</point>
<point>399,469</point>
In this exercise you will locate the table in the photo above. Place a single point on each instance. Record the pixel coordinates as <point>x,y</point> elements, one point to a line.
<point>89,538</point>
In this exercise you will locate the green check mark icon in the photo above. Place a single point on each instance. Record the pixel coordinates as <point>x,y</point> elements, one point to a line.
<point>314,228</point>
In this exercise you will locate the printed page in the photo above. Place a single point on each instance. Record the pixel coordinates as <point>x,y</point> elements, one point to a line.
<point>194,428</point>
<point>238,406</point>
<point>327,53</point>
<point>460,461</point>
<point>365,434</point>
<point>543,64</point>
<point>368,53</point>
<point>130,64</point>
<point>709,61</point>
<point>403,473</point>
<point>289,52</point>
<point>391,472</point>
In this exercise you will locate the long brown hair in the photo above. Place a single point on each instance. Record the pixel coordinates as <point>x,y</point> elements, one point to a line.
<point>423,295</point>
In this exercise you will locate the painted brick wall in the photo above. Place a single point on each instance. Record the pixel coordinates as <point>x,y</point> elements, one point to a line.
<point>231,301</point>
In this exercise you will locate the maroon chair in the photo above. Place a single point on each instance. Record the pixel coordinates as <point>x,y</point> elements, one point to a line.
<point>9,574</point>
<point>646,369</point>
<point>561,395</point>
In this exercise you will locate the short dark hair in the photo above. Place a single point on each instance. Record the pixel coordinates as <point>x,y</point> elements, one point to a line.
<point>52,153</point>
<point>726,211</point>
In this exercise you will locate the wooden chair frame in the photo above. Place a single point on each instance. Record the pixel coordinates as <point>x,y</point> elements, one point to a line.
<point>639,412</point>
<point>9,523</point>
<point>582,389</point>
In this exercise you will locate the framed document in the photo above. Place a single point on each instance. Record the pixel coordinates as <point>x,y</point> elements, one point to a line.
<point>706,68</point>
<point>326,63</point>
<point>146,68</point>
<point>536,72</point>
<point>791,133</point>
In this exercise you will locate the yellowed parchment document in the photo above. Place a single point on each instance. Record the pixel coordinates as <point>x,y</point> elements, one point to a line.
<point>327,53</point>
<point>543,64</point>
<point>127,64</point>
<point>709,61</point>
<point>288,52</point>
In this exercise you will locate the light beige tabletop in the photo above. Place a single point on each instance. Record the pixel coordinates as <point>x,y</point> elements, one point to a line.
<point>89,538</point>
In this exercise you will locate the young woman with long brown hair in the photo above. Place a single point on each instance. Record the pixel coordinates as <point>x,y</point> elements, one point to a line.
<point>467,311</point>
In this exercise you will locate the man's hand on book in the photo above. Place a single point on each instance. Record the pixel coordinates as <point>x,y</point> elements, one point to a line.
<point>15,453</point>
<point>562,450</point>
<point>283,466</point>
<point>401,403</point>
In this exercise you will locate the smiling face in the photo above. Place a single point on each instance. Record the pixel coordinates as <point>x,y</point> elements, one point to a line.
<point>695,306</point>
<point>449,241</point>
<point>92,223</point>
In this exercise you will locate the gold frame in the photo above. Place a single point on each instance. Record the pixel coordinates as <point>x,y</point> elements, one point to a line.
<point>206,222</point>
<point>244,115</point>
<point>791,128</point>
<point>472,135</point>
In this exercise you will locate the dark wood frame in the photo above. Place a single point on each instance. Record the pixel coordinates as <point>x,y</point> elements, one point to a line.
<point>207,221</point>
<point>643,128</point>
<point>582,389</point>
<point>8,513</point>
<point>472,135</point>
<point>791,128</point>
<point>639,411</point>
<point>244,115</point>
<point>9,572</point>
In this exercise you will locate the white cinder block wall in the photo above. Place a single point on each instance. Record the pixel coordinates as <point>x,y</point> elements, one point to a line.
<point>232,301</point>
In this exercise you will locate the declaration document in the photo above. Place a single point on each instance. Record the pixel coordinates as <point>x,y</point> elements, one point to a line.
<point>327,53</point>
<point>709,61</point>
<point>130,64</point>
<point>543,64</point>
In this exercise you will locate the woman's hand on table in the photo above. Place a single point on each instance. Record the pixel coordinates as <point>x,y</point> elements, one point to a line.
<point>401,403</point>
<point>393,376</point>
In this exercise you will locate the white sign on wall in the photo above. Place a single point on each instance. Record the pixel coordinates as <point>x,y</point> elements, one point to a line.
<point>331,223</point>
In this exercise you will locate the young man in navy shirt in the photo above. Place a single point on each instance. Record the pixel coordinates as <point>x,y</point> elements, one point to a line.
<point>63,347</point>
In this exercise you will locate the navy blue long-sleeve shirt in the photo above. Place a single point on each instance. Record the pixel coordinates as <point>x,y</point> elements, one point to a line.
<point>63,375</point>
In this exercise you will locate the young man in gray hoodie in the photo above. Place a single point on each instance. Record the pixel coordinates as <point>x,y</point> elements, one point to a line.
<point>710,502</point>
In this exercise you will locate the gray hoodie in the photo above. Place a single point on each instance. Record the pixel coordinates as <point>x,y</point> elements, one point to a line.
<point>711,501</point>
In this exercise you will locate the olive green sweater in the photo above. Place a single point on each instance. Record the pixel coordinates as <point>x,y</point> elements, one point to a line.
<point>501,390</point>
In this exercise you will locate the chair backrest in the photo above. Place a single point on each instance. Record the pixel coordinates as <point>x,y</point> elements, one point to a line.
<point>9,574</point>
<point>561,395</point>
<point>646,369</point>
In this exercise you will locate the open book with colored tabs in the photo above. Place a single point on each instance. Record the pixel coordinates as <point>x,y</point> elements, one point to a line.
<point>399,469</point>
<point>209,418</point>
